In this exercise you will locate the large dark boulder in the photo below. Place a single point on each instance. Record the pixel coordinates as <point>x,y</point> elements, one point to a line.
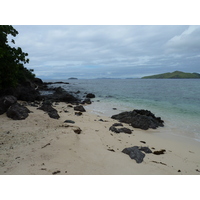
<point>142,119</point>
<point>6,102</point>
<point>17,112</point>
<point>90,95</point>
<point>134,153</point>
<point>47,107</point>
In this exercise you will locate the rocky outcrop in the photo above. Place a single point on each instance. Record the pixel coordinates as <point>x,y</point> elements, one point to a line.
<point>60,95</point>
<point>142,119</point>
<point>17,112</point>
<point>6,102</point>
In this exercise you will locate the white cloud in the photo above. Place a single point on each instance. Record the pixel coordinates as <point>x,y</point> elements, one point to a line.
<point>188,40</point>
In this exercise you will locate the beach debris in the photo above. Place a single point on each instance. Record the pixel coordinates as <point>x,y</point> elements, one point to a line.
<point>47,107</point>
<point>120,130</point>
<point>79,108</point>
<point>162,151</point>
<point>179,170</point>
<point>143,142</point>
<point>90,95</point>
<point>142,119</point>
<point>197,170</point>
<point>159,162</point>
<point>69,121</point>
<point>17,112</point>
<point>134,153</point>
<point>114,108</point>
<point>56,172</point>
<point>45,145</point>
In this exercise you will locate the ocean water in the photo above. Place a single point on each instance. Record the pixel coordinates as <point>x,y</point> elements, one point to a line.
<point>176,101</point>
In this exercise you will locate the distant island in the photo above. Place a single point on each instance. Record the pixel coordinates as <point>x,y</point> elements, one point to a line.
<point>72,78</point>
<point>173,75</point>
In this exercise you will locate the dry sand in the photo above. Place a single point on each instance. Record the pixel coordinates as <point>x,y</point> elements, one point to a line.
<point>41,145</point>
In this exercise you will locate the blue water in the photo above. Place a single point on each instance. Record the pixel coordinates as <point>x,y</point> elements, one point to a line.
<point>176,101</point>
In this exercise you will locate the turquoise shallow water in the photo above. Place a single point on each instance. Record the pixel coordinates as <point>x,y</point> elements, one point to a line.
<point>176,101</point>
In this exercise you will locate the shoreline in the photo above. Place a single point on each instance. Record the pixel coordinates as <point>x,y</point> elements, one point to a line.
<point>42,145</point>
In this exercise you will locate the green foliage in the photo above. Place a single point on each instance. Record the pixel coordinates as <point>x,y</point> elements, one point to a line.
<point>174,75</point>
<point>12,60</point>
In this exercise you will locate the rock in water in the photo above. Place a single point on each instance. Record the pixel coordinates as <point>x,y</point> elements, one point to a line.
<point>142,119</point>
<point>90,95</point>
<point>134,153</point>
<point>17,112</point>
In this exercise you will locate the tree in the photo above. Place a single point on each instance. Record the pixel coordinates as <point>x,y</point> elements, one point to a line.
<point>12,60</point>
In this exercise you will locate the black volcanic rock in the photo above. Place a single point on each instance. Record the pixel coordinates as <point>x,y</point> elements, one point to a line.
<point>120,130</point>
<point>142,119</point>
<point>134,153</point>
<point>17,112</point>
<point>60,95</point>
<point>6,102</point>
<point>90,95</point>
<point>52,112</point>
<point>79,108</point>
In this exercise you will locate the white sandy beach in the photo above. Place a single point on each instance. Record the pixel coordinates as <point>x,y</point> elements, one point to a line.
<point>43,146</point>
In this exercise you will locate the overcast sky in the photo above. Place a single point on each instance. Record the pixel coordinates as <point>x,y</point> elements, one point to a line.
<point>60,52</point>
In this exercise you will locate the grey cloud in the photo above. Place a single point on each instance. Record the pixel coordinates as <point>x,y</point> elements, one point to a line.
<point>112,51</point>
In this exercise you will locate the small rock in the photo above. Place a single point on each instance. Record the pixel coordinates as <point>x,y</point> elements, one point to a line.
<point>162,151</point>
<point>79,108</point>
<point>87,101</point>
<point>113,129</point>
<point>77,130</point>
<point>69,121</point>
<point>78,113</point>
<point>111,150</point>
<point>56,172</point>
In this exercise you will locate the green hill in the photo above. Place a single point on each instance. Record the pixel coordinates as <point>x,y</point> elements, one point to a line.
<point>173,75</point>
